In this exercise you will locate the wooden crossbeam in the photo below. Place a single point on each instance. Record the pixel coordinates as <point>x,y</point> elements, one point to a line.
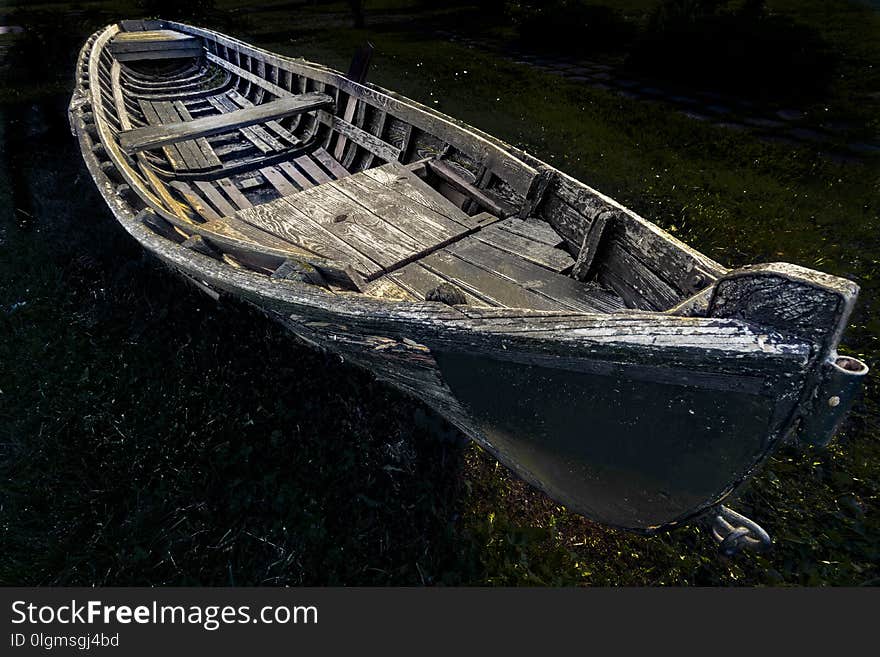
<point>148,137</point>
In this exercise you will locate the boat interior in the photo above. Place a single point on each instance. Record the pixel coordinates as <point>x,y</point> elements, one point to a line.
<point>231,154</point>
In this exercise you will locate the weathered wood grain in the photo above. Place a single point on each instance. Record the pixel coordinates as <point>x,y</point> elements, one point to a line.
<point>148,137</point>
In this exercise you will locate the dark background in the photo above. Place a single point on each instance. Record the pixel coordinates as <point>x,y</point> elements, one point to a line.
<point>150,436</point>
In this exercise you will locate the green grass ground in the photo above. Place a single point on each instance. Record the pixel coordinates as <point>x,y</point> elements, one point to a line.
<point>151,437</point>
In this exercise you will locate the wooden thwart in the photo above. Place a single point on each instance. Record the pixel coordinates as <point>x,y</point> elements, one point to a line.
<point>148,137</point>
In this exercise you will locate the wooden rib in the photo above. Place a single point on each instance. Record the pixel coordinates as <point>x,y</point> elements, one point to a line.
<point>347,115</point>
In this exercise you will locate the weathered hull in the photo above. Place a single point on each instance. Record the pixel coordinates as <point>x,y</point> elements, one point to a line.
<point>640,419</point>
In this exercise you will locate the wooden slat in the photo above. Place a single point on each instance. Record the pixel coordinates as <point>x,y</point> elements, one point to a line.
<point>361,137</point>
<point>179,53</point>
<point>234,193</point>
<point>255,131</point>
<point>422,224</point>
<point>493,288</point>
<point>149,137</point>
<point>496,206</point>
<point>295,175</point>
<point>334,167</point>
<point>126,42</point>
<point>400,180</point>
<point>419,281</point>
<point>195,201</point>
<point>221,104</point>
<point>172,152</point>
<point>281,184</point>
<point>310,167</point>
<point>274,126</point>
<point>215,197</point>
<point>559,290</point>
<point>192,154</point>
<point>347,115</point>
<point>211,158</point>
<point>534,229</point>
<point>551,258</point>
<point>362,230</point>
<point>287,222</point>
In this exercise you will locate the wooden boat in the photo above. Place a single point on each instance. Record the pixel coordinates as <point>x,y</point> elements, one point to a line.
<point>631,378</point>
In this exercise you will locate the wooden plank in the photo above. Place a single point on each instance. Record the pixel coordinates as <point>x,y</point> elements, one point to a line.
<point>278,181</point>
<point>172,153</point>
<point>220,103</point>
<point>310,167</point>
<point>290,224</point>
<point>211,158</point>
<point>257,134</point>
<point>149,137</point>
<point>347,115</point>
<point>402,181</point>
<point>489,286</point>
<point>180,53</point>
<point>334,167</point>
<point>195,201</point>
<point>234,193</point>
<point>215,197</point>
<point>361,137</point>
<point>560,291</point>
<point>274,126</point>
<point>551,258</point>
<point>496,206</point>
<point>192,155</point>
<point>361,229</point>
<point>419,281</point>
<point>295,175</point>
<point>422,224</point>
<point>126,42</point>
<point>534,229</point>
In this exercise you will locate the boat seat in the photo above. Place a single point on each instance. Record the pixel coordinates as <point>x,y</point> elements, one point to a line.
<point>167,133</point>
<point>154,44</point>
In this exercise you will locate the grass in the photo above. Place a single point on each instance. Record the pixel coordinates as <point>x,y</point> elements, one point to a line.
<point>151,437</point>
